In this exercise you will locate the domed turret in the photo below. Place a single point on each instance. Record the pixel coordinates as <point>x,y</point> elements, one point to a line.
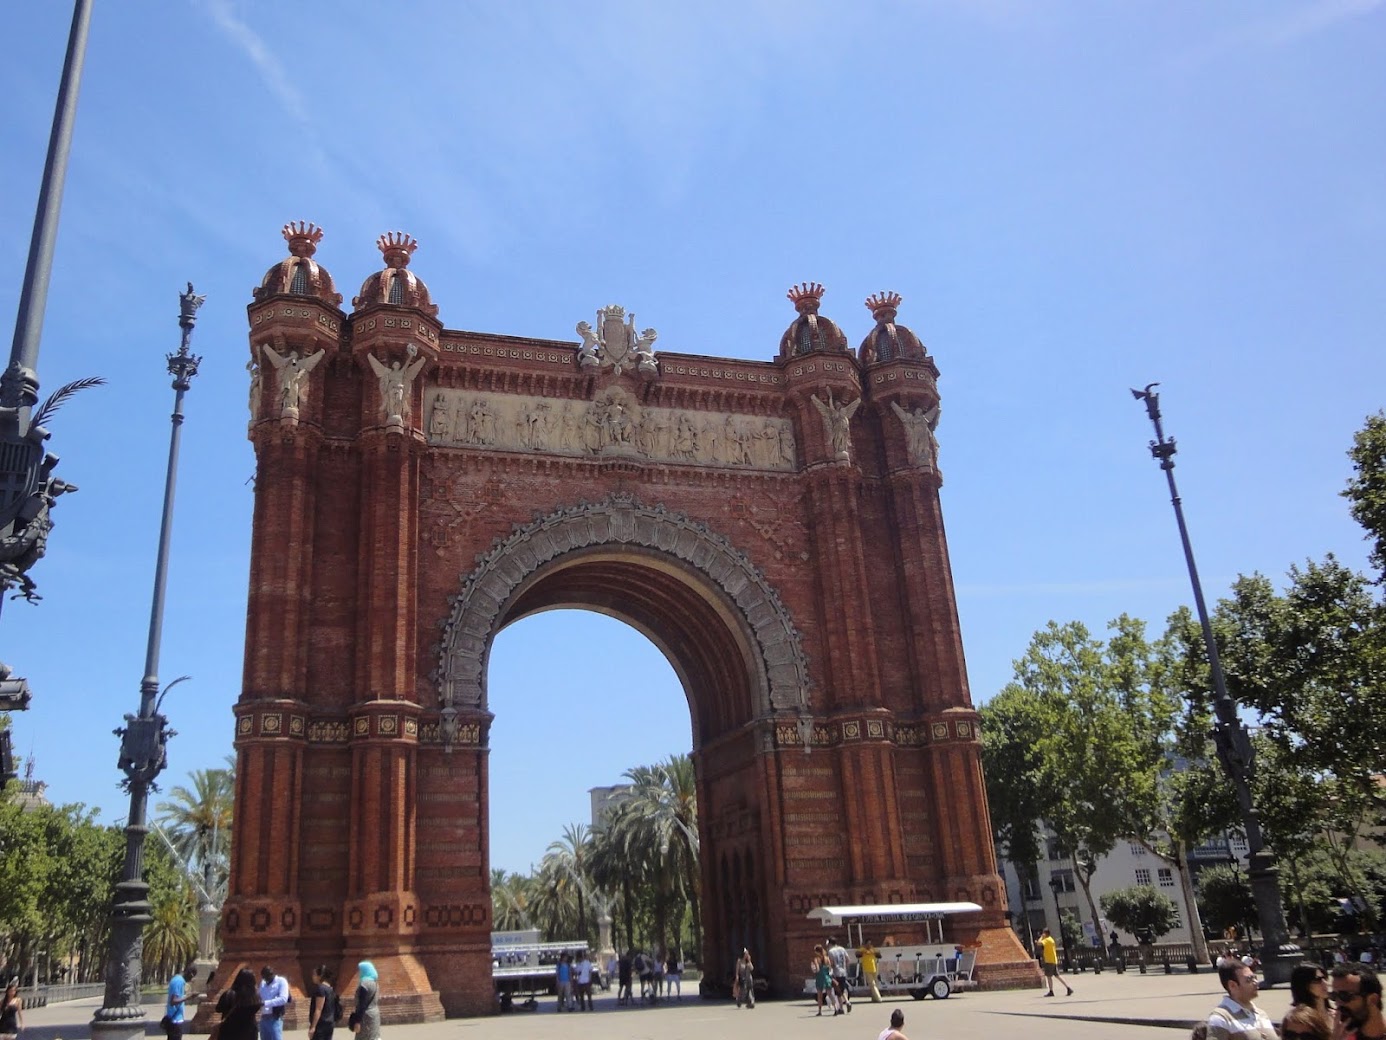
<point>396,286</point>
<point>300,274</point>
<point>810,332</point>
<point>888,341</point>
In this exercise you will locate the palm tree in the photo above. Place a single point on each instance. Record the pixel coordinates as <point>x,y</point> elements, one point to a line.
<point>652,843</point>
<point>510,901</point>
<point>567,858</point>
<point>170,939</point>
<point>198,823</point>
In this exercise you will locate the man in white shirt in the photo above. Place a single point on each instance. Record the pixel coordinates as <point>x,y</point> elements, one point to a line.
<point>1236,1017</point>
<point>838,956</point>
<point>274,996</point>
<point>584,982</point>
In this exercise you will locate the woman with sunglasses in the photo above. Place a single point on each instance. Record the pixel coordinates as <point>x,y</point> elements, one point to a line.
<point>1309,986</point>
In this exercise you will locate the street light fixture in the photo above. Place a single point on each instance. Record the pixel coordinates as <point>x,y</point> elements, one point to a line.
<point>143,747</point>
<point>1230,736</point>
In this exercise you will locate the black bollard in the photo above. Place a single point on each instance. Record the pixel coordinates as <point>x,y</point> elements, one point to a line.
<point>1168,969</point>
<point>1193,964</point>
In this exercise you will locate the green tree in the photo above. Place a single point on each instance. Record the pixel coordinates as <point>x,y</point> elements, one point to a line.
<point>1140,909</point>
<point>1225,898</point>
<point>1366,489</point>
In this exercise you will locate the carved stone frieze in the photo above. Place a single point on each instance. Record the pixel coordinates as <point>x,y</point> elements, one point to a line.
<point>612,424</point>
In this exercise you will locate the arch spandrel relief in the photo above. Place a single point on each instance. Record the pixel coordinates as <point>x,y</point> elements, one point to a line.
<point>614,423</point>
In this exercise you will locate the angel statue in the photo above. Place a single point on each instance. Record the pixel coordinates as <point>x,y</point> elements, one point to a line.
<point>394,387</point>
<point>293,369</point>
<point>591,343</point>
<point>837,420</point>
<point>919,433</point>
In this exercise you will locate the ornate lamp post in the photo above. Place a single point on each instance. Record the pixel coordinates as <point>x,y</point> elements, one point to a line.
<point>143,748</point>
<point>1230,736</point>
<point>27,485</point>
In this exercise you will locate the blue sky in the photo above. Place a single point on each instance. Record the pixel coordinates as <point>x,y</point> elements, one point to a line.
<point>1073,198</point>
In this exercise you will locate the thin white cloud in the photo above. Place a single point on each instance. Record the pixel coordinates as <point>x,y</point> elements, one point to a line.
<point>272,72</point>
<point>1277,31</point>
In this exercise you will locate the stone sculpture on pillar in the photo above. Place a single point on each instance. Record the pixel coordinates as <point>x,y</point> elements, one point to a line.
<point>837,424</point>
<point>293,369</point>
<point>395,381</point>
<point>919,434</point>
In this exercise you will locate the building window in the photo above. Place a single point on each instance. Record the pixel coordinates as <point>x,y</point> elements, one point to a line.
<point>1064,878</point>
<point>1031,882</point>
<point>1166,877</point>
<point>1137,850</point>
<point>1238,843</point>
<point>1054,850</point>
<point>1142,876</point>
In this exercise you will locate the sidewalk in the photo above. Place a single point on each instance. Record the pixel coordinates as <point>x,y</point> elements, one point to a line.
<point>1157,1007</point>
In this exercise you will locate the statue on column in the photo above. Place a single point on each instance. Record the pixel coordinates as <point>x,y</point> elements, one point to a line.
<point>837,424</point>
<point>919,433</point>
<point>395,381</point>
<point>293,370</point>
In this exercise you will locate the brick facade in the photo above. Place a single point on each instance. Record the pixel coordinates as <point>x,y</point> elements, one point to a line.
<point>790,561</point>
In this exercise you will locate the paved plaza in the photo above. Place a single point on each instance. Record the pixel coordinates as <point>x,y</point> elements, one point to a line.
<point>1107,1005</point>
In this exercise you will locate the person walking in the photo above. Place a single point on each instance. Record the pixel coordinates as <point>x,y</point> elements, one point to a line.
<point>837,955</point>
<point>584,982</point>
<point>870,966</point>
<point>1049,961</point>
<point>623,977</point>
<point>745,980</point>
<point>11,1013</point>
<point>563,982</point>
<point>673,975</point>
<point>897,1023</point>
<point>239,1008</point>
<point>1237,1017</point>
<point>822,980</point>
<point>274,998</point>
<point>365,1017</point>
<point>322,1006</point>
<point>177,995</point>
<point>1357,993</point>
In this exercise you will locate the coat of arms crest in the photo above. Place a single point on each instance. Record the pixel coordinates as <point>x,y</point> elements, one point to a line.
<point>616,343</point>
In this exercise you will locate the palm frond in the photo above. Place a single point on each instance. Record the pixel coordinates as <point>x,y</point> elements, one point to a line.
<point>60,396</point>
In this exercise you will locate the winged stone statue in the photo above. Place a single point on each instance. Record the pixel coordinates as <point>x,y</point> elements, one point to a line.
<point>837,423</point>
<point>293,370</point>
<point>395,380</point>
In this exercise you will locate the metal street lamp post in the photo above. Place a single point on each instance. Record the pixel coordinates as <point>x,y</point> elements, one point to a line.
<point>1058,886</point>
<point>143,748</point>
<point>28,488</point>
<point>1230,736</point>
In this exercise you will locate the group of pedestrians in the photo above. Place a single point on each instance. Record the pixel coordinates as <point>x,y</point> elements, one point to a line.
<point>255,1011</point>
<point>829,967</point>
<point>1343,1003</point>
<point>573,981</point>
<point>659,975</point>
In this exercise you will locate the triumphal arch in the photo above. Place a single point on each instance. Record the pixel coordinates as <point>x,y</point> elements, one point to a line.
<point>772,525</point>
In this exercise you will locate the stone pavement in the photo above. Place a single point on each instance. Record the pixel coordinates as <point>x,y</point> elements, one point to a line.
<point>1149,1007</point>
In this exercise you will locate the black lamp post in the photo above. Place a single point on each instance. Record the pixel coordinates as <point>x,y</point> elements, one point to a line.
<point>1058,886</point>
<point>143,748</point>
<point>28,488</point>
<point>1230,737</point>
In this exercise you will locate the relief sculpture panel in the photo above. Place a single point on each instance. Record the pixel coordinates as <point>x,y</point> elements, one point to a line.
<point>613,424</point>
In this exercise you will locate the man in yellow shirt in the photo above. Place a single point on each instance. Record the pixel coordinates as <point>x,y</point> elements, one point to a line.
<point>869,963</point>
<point>1049,961</point>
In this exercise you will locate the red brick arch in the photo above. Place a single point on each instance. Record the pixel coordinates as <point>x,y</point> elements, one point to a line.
<point>773,526</point>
